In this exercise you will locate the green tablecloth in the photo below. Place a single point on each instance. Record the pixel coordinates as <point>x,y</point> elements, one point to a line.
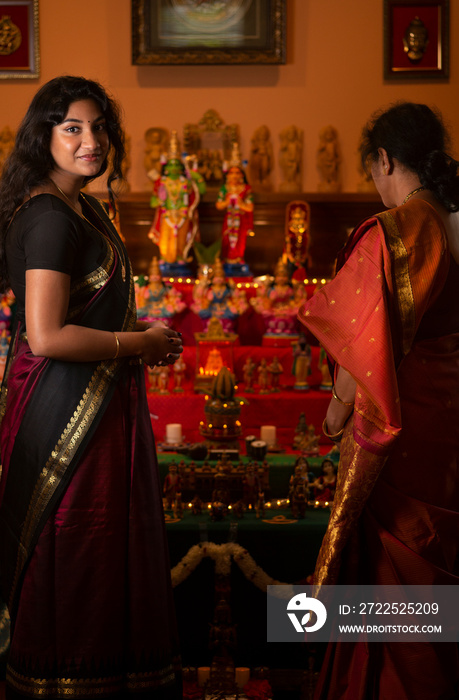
<point>286,551</point>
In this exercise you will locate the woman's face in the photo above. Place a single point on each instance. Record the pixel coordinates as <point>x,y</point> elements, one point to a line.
<point>80,143</point>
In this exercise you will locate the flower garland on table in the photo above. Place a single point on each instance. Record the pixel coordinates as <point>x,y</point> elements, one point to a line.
<point>222,554</point>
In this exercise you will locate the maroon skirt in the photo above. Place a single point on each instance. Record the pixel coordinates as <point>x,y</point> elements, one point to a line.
<point>95,615</point>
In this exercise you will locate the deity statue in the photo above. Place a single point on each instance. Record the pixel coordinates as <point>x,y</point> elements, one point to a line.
<point>296,245</point>
<point>291,159</point>
<point>175,196</point>
<point>249,371</point>
<point>156,140</point>
<point>179,368</point>
<point>220,299</point>
<point>236,199</point>
<point>263,376</point>
<point>171,486</point>
<point>278,302</point>
<point>250,486</point>
<point>6,145</point>
<point>329,160</point>
<point>261,160</point>
<point>158,301</point>
<point>327,383</point>
<point>275,370</point>
<point>301,363</point>
<point>415,40</point>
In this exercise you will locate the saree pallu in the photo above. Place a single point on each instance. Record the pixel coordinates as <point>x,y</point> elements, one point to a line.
<point>395,519</point>
<point>84,564</point>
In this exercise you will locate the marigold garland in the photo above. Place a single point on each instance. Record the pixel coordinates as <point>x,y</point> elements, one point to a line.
<point>222,554</point>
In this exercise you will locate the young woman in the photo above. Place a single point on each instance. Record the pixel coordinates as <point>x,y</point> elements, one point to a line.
<point>84,567</point>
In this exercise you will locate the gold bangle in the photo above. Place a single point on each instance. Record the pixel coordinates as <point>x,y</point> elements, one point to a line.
<point>117,346</point>
<point>327,434</point>
<point>337,398</point>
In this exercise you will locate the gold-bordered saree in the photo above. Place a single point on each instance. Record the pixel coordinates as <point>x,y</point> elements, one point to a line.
<point>52,412</point>
<point>395,518</point>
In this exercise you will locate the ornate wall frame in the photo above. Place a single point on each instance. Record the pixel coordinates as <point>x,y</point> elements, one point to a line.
<point>19,43</point>
<point>173,32</point>
<point>416,39</point>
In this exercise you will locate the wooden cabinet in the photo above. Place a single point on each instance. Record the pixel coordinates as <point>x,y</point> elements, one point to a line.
<point>332,216</point>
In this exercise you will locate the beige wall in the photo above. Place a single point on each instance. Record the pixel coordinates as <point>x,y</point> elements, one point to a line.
<point>333,75</point>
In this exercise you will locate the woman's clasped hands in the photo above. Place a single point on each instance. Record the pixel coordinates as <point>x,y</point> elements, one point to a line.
<point>162,346</point>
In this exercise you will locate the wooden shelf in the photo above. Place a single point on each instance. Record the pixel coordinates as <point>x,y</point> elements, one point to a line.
<point>332,217</point>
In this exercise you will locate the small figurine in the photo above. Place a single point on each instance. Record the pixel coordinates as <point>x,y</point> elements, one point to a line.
<point>329,160</point>
<point>296,245</point>
<point>300,431</point>
<point>163,380</point>
<point>325,484</point>
<point>260,504</point>
<point>156,140</point>
<point>275,370</point>
<point>171,486</point>
<point>309,445</point>
<point>221,299</point>
<point>179,368</point>
<point>299,500</point>
<point>219,508</point>
<point>177,506</point>
<point>236,199</point>
<point>6,145</point>
<point>196,505</point>
<point>263,377</point>
<point>158,301</point>
<point>326,383</point>
<point>249,371</point>
<point>278,302</point>
<point>301,363</point>
<point>239,509</point>
<point>298,478</point>
<point>291,157</point>
<point>175,197</point>
<point>250,486</point>
<point>261,160</point>
<point>153,376</point>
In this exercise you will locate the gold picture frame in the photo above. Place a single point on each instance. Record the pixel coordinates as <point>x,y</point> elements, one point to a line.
<point>177,32</point>
<point>19,39</point>
<point>416,39</point>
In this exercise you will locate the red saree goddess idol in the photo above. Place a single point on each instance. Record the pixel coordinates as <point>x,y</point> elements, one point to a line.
<point>390,318</point>
<point>84,566</point>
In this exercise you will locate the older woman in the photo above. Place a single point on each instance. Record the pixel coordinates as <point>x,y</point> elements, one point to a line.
<point>390,323</point>
<point>84,566</point>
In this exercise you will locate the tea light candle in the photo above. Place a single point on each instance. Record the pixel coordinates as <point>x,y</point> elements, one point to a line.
<point>203,675</point>
<point>174,433</point>
<point>268,434</point>
<point>242,676</point>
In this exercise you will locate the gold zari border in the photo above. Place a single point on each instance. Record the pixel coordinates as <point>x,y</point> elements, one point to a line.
<point>60,458</point>
<point>83,687</point>
<point>403,290</point>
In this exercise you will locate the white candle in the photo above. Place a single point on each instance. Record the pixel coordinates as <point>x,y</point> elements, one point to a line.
<point>174,433</point>
<point>268,434</point>
<point>242,676</point>
<point>203,675</point>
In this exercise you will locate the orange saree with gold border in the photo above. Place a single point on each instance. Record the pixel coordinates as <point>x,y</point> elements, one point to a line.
<point>395,518</point>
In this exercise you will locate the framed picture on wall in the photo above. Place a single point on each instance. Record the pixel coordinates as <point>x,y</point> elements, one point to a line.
<point>19,47</point>
<point>416,39</point>
<point>210,32</point>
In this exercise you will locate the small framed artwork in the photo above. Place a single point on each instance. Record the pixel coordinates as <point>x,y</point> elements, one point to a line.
<point>19,47</point>
<point>416,39</point>
<point>209,32</point>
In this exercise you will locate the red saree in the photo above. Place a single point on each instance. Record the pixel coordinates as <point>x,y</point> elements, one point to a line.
<point>395,518</point>
<point>84,566</point>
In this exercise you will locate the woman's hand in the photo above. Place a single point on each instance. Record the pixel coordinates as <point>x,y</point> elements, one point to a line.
<point>342,404</point>
<point>162,346</point>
